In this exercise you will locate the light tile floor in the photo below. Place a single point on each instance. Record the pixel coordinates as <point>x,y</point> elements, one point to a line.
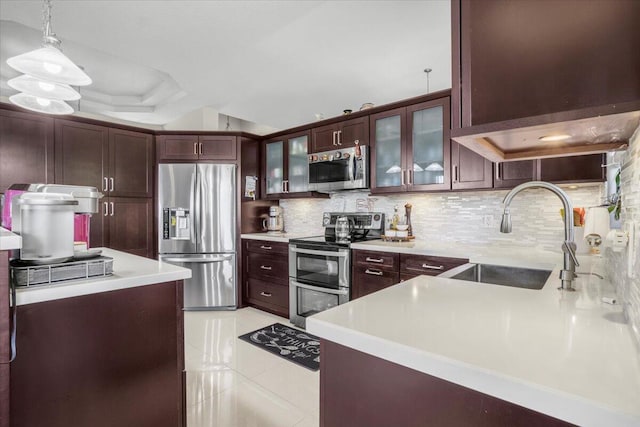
<point>231,383</point>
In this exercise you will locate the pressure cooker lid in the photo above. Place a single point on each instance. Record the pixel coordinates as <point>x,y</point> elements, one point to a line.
<point>77,191</point>
<point>55,199</point>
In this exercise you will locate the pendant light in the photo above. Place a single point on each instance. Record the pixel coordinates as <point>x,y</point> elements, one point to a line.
<point>48,75</point>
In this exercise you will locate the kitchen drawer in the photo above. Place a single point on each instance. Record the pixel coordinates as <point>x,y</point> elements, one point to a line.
<point>275,268</point>
<point>429,265</point>
<point>266,247</point>
<point>367,280</point>
<point>273,297</point>
<point>380,260</point>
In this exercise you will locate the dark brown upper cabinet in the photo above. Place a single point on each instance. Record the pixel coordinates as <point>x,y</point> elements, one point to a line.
<point>286,167</point>
<point>117,162</point>
<point>526,69</point>
<point>470,170</point>
<point>573,169</point>
<point>195,147</point>
<point>26,148</point>
<point>517,59</point>
<point>559,170</point>
<point>344,134</point>
<point>410,148</point>
<point>510,174</point>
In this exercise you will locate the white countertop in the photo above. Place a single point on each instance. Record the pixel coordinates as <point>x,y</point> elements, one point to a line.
<point>9,240</point>
<point>273,237</point>
<point>564,354</point>
<point>129,271</point>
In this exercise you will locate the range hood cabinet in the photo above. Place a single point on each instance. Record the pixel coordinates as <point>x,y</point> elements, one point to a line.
<point>592,131</point>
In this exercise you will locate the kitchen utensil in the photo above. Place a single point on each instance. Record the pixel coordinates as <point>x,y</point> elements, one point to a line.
<point>343,231</point>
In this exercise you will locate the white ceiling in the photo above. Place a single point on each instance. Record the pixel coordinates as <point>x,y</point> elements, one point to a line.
<point>274,63</point>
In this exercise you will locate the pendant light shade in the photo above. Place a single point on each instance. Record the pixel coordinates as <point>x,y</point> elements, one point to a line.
<point>43,89</point>
<point>41,105</point>
<point>48,63</point>
<point>48,75</point>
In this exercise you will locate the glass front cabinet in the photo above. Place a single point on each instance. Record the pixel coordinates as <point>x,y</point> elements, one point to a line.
<point>286,165</point>
<point>410,148</point>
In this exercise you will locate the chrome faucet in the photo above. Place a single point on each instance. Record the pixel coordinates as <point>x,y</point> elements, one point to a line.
<point>568,273</point>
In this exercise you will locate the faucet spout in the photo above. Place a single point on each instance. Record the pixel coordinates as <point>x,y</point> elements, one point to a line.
<point>568,273</point>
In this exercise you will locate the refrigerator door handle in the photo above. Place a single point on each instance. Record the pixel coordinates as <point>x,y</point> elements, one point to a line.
<point>199,260</point>
<point>192,212</point>
<point>198,209</point>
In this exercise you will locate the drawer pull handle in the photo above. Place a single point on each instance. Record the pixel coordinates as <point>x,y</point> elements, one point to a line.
<point>373,272</point>
<point>378,260</point>
<point>265,294</point>
<point>266,247</point>
<point>433,267</point>
<point>266,267</point>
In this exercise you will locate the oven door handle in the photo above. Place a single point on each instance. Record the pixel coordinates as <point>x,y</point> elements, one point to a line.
<point>340,254</point>
<point>320,289</point>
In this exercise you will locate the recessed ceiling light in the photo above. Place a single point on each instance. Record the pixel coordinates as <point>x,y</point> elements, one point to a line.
<point>556,137</point>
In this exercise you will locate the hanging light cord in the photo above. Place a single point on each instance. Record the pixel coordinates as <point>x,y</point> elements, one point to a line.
<point>48,36</point>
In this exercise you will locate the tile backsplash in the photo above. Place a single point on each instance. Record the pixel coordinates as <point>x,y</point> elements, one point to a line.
<point>628,289</point>
<point>464,217</point>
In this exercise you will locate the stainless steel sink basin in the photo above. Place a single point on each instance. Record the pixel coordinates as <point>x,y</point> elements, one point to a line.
<point>527,278</point>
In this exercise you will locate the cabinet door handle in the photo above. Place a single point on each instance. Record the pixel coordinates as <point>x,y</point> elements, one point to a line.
<point>195,148</point>
<point>200,148</point>
<point>112,209</point>
<point>334,137</point>
<point>378,260</point>
<point>106,209</point>
<point>286,185</point>
<point>266,247</point>
<point>339,137</point>
<point>455,173</point>
<point>266,267</point>
<point>433,267</point>
<point>409,180</point>
<point>373,272</point>
<point>497,171</point>
<point>105,187</point>
<point>265,294</point>
<point>111,184</point>
<point>402,177</point>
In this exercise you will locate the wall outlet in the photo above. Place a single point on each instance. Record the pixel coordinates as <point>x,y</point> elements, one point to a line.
<point>487,221</point>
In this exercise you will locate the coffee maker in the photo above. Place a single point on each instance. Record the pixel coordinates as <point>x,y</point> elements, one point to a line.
<point>275,222</point>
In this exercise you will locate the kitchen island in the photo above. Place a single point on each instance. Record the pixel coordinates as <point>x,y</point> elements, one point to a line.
<point>437,351</point>
<point>104,351</point>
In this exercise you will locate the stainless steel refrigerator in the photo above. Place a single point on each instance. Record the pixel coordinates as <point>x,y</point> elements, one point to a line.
<point>197,230</point>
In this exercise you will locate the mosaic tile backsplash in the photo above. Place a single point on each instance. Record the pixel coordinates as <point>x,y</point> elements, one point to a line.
<point>628,289</point>
<point>465,217</point>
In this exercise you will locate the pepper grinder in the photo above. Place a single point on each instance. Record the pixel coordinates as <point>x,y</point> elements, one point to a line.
<point>407,209</point>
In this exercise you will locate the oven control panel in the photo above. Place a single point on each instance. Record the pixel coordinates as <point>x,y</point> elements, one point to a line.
<point>359,220</point>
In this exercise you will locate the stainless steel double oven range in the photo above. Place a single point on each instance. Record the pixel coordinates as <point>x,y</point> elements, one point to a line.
<point>320,266</point>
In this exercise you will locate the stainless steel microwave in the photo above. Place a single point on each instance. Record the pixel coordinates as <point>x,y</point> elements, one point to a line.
<point>345,169</point>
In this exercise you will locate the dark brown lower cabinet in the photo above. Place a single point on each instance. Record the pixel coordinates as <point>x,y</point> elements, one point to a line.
<point>125,224</point>
<point>102,360</point>
<point>266,275</point>
<point>373,271</point>
<point>358,389</point>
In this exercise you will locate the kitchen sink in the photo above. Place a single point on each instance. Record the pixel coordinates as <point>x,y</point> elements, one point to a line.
<point>528,278</point>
